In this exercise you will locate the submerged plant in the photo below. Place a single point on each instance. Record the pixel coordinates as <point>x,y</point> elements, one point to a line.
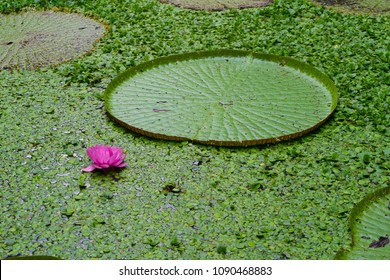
<point>105,157</point>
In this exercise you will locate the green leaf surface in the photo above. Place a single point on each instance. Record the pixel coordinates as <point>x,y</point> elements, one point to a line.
<point>226,98</point>
<point>370,225</point>
<point>34,39</point>
<point>218,5</point>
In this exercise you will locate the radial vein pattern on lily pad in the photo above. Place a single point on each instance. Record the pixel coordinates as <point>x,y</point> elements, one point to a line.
<point>228,98</point>
<point>34,39</point>
<point>370,228</point>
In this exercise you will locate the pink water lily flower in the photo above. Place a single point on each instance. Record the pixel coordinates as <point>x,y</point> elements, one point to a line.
<point>105,157</point>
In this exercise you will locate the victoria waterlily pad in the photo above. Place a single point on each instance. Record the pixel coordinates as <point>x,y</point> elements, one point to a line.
<point>226,98</point>
<point>218,4</point>
<point>370,225</point>
<point>34,39</point>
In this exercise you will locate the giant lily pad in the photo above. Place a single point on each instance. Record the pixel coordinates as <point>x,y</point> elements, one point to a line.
<point>34,39</point>
<point>370,226</point>
<point>226,98</point>
<point>218,4</point>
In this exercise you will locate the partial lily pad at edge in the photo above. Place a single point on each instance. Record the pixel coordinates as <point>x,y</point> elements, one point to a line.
<point>224,98</point>
<point>217,5</point>
<point>32,40</point>
<point>370,228</point>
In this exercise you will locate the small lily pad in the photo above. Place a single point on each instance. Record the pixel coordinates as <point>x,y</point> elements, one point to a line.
<point>35,39</point>
<point>224,98</point>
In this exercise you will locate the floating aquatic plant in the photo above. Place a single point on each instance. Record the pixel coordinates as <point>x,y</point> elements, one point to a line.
<point>36,39</point>
<point>105,158</point>
<point>222,97</point>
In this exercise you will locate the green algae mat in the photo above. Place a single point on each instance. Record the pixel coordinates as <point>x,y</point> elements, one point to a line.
<point>224,98</point>
<point>35,39</point>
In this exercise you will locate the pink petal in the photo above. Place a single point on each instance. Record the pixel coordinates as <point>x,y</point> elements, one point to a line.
<point>90,151</point>
<point>89,168</point>
<point>116,159</point>
<point>98,158</point>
